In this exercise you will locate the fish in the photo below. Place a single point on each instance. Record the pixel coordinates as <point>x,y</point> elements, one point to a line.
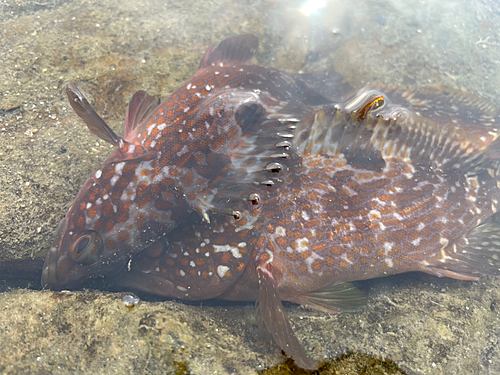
<point>252,184</point>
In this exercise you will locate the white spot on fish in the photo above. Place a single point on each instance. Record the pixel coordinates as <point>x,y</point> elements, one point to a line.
<point>221,270</point>
<point>398,216</point>
<point>188,86</point>
<point>444,257</point>
<point>98,174</point>
<point>388,247</point>
<point>207,87</point>
<point>181,272</point>
<point>374,214</point>
<point>192,264</point>
<point>302,244</point>
<point>344,257</point>
<point>280,231</point>
<point>226,248</point>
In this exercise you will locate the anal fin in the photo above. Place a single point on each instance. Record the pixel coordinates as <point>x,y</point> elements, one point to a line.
<point>334,298</point>
<point>478,253</point>
<point>270,312</point>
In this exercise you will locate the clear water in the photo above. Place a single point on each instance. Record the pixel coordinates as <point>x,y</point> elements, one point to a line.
<point>425,324</point>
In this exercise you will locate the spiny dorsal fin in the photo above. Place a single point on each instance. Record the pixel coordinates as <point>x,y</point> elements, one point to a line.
<point>141,104</point>
<point>370,125</point>
<point>237,50</point>
<point>474,115</point>
<point>93,121</point>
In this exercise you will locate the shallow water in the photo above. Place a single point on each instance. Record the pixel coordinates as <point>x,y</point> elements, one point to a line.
<point>112,48</point>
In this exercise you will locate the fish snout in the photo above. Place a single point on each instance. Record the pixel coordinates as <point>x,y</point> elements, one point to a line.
<point>59,271</point>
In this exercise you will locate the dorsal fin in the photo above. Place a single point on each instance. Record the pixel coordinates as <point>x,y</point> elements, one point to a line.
<point>93,121</point>
<point>237,50</point>
<point>141,104</point>
<point>370,127</point>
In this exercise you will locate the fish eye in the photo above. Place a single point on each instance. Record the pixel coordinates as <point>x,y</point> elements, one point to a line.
<point>82,244</point>
<point>88,248</point>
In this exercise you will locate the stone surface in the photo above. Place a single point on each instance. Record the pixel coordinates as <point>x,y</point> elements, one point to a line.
<point>115,48</point>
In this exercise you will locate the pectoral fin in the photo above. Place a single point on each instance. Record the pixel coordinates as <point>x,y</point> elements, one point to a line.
<point>270,311</point>
<point>334,298</point>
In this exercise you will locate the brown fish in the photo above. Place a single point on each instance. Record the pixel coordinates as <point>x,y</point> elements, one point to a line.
<point>246,184</point>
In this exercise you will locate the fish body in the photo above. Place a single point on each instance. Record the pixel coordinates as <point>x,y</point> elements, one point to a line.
<point>249,183</point>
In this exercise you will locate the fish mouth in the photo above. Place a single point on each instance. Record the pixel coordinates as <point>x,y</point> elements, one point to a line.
<point>59,271</point>
<point>49,274</point>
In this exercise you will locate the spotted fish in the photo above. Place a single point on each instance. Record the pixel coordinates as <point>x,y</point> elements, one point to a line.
<point>249,183</point>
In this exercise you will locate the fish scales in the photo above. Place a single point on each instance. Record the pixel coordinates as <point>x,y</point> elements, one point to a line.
<point>249,183</point>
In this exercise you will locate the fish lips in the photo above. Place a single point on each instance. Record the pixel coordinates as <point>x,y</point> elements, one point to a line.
<point>59,271</point>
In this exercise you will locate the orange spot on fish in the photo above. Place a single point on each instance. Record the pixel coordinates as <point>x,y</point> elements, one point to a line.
<point>109,226</point>
<point>317,265</point>
<point>305,254</point>
<point>92,211</point>
<point>81,222</point>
